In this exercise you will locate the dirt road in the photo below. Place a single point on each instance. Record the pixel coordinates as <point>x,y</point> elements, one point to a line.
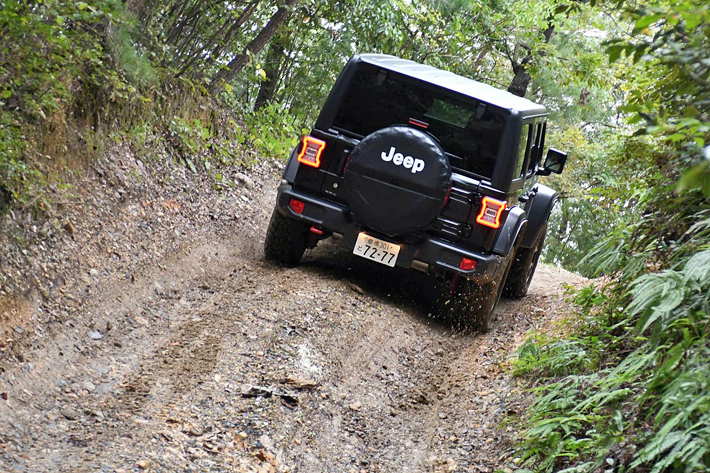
<point>214,360</point>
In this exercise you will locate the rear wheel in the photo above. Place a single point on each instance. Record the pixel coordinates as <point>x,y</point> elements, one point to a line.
<point>523,269</point>
<point>483,299</point>
<point>286,240</point>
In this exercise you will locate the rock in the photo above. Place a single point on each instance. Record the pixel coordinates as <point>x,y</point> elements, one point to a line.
<point>255,391</point>
<point>267,443</point>
<point>70,413</point>
<point>356,288</point>
<point>89,386</point>
<point>141,321</point>
<point>143,464</point>
<point>300,383</point>
<point>450,464</point>
<point>94,272</point>
<point>96,335</point>
<point>355,406</point>
<point>245,180</point>
<point>100,368</point>
<point>291,399</point>
<point>103,388</point>
<point>68,226</point>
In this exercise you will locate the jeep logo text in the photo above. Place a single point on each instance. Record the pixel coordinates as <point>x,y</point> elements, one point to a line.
<point>398,159</point>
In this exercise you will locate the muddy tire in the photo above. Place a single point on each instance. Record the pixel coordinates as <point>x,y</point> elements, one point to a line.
<point>523,269</point>
<point>286,240</point>
<point>482,300</point>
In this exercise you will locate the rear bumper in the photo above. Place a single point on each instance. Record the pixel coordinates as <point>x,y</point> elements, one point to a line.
<point>438,254</point>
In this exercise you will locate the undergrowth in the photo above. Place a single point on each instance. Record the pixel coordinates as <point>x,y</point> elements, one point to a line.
<point>75,81</point>
<point>629,390</point>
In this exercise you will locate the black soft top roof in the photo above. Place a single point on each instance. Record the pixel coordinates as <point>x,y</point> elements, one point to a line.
<point>465,86</point>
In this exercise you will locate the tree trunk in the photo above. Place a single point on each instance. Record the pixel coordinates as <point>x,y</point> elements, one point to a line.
<point>135,6</point>
<point>521,80</point>
<point>232,31</point>
<point>257,44</point>
<point>480,57</point>
<point>272,67</point>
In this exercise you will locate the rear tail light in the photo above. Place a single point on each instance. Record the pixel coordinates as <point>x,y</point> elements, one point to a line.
<point>311,151</point>
<point>468,264</point>
<point>491,210</point>
<point>297,206</point>
<point>419,123</point>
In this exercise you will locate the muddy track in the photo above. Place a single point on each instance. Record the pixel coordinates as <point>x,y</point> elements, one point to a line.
<point>219,361</point>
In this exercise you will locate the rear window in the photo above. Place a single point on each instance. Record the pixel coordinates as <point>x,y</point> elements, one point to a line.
<point>377,100</point>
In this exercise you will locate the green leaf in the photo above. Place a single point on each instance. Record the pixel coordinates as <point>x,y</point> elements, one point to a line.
<point>647,20</point>
<point>638,54</point>
<point>694,177</point>
<point>6,94</point>
<point>614,53</point>
<point>191,164</point>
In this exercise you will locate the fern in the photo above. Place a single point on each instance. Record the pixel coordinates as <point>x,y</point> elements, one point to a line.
<point>660,390</point>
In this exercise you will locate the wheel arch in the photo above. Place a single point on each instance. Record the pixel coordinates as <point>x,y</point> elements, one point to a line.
<point>515,223</point>
<point>291,168</point>
<point>539,210</point>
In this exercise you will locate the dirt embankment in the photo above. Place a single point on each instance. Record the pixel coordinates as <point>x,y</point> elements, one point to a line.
<point>187,352</point>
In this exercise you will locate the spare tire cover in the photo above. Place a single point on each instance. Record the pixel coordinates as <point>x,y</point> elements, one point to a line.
<point>396,180</point>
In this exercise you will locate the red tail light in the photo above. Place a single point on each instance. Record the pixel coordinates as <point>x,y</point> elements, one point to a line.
<point>311,151</point>
<point>297,206</point>
<point>468,264</point>
<point>419,123</point>
<point>491,210</point>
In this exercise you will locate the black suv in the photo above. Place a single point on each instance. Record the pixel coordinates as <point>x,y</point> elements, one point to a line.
<point>421,168</point>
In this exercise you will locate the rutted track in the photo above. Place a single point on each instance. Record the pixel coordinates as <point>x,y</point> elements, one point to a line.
<point>380,385</point>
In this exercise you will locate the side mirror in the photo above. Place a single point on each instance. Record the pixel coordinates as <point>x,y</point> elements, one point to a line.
<point>554,162</point>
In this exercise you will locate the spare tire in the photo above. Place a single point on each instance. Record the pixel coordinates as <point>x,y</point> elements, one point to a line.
<point>397,180</point>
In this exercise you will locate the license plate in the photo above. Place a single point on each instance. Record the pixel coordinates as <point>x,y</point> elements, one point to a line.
<point>376,250</point>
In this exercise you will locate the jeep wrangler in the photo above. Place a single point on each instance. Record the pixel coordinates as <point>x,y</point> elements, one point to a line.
<point>421,168</point>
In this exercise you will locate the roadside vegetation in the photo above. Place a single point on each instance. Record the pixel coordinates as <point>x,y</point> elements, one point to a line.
<point>225,83</point>
<point>628,390</point>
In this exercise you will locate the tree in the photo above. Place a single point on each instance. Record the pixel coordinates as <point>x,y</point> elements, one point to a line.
<point>228,73</point>
<point>521,68</point>
<point>275,58</point>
